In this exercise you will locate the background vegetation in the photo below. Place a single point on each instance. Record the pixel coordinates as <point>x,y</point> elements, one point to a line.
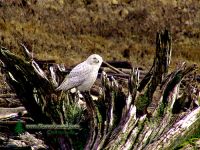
<point>69,30</point>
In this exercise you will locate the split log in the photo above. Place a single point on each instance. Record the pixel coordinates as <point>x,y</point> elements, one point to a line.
<point>9,112</point>
<point>112,122</point>
<point>157,72</point>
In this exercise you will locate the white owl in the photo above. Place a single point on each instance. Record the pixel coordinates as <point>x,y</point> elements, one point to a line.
<point>83,75</point>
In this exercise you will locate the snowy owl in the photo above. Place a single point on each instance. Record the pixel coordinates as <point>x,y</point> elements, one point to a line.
<point>83,75</point>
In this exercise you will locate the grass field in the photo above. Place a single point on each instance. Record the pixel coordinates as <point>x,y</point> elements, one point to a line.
<point>70,30</point>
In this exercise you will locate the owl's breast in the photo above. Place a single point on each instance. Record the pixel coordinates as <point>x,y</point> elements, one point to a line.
<point>89,81</point>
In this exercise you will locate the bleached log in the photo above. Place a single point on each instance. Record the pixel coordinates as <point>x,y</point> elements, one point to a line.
<point>11,112</point>
<point>178,130</point>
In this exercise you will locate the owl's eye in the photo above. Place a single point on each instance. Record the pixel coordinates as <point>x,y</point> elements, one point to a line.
<point>95,60</point>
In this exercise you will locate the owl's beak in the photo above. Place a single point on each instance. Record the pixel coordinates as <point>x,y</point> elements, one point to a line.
<point>96,61</point>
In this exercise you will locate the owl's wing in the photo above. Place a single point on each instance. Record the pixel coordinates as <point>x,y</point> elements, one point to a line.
<point>76,77</point>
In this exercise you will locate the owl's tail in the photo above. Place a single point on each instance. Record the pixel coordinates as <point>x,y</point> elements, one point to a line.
<point>63,85</point>
<point>59,88</point>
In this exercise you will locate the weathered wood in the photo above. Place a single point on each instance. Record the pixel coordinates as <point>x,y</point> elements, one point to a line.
<point>113,68</point>
<point>119,64</point>
<point>25,81</point>
<point>160,64</point>
<point>36,93</point>
<point>157,72</point>
<point>9,112</point>
<point>24,139</point>
<point>179,129</point>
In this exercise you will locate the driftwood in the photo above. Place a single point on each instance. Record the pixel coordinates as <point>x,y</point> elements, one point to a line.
<point>9,112</point>
<point>116,120</point>
<point>22,142</point>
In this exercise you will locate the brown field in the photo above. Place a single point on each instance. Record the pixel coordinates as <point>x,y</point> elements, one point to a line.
<point>70,30</point>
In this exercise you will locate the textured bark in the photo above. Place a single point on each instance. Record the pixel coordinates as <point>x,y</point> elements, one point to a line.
<point>157,72</point>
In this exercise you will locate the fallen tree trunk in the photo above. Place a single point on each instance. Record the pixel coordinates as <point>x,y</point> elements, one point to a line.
<point>112,122</point>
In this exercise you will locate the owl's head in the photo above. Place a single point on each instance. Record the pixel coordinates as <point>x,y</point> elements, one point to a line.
<point>95,59</point>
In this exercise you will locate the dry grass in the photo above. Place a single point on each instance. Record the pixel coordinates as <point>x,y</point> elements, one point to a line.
<point>68,30</point>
